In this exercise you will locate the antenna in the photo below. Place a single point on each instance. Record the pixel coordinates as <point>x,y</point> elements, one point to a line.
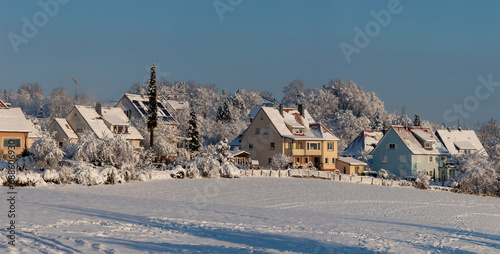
<point>76,86</point>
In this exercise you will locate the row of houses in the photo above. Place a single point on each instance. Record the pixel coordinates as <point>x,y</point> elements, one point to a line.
<point>101,121</point>
<point>401,150</point>
<point>292,132</point>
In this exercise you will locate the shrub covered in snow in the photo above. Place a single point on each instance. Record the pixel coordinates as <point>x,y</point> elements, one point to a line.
<point>210,167</point>
<point>422,181</point>
<point>229,170</point>
<point>112,151</point>
<point>383,173</point>
<point>477,174</point>
<point>280,161</point>
<point>46,152</point>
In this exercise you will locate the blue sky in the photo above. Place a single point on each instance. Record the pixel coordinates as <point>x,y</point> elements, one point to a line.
<point>428,57</point>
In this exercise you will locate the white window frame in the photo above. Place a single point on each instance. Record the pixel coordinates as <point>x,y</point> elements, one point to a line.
<point>383,160</point>
<point>309,148</point>
<point>332,146</point>
<point>431,160</point>
<point>403,158</point>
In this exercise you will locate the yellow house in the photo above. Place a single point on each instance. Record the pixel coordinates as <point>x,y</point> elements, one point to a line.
<point>349,165</point>
<point>16,132</point>
<point>291,132</point>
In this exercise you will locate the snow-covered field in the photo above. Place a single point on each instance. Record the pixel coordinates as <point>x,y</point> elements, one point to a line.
<point>250,215</point>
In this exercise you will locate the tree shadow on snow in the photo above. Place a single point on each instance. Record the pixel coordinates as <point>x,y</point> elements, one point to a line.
<point>254,242</point>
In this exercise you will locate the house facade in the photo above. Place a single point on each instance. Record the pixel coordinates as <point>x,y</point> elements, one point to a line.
<point>101,121</point>
<point>405,151</point>
<point>365,142</point>
<point>290,132</point>
<point>16,132</point>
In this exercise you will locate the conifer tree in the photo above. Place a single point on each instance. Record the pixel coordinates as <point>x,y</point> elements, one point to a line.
<point>224,114</point>
<point>153,107</point>
<point>193,133</point>
<point>417,121</point>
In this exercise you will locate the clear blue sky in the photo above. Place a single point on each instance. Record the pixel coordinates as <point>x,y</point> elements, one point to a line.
<point>428,57</point>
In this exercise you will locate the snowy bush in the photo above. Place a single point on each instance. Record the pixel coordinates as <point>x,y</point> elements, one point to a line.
<point>95,176</point>
<point>477,174</point>
<point>46,152</point>
<point>422,181</point>
<point>383,173</point>
<point>110,151</point>
<point>192,170</point>
<point>229,170</point>
<point>29,178</point>
<point>280,161</point>
<point>210,167</point>
<point>178,172</point>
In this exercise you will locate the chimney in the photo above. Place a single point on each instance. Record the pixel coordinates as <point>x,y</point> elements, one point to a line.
<point>98,108</point>
<point>459,128</point>
<point>280,108</point>
<point>301,109</point>
<point>449,129</point>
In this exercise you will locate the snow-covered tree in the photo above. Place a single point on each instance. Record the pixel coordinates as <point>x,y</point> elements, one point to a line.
<point>347,127</point>
<point>280,161</point>
<point>477,174</point>
<point>45,151</point>
<point>193,133</point>
<point>293,93</point>
<point>222,149</point>
<point>489,135</point>
<point>57,104</point>
<point>153,106</point>
<point>417,121</point>
<point>422,181</point>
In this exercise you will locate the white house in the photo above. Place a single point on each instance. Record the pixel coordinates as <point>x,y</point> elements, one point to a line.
<point>461,141</point>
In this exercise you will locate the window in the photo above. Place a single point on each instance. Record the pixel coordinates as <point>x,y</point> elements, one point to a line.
<point>430,159</point>
<point>12,142</point>
<point>299,145</point>
<point>250,146</point>
<point>384,159</point>
<point>330,146</point>
<point>345,170</point>
<point>60,143</point>
<point>313,146</point>
<point>257,131</point>
<point>272,146</point>
<point>403,158</point>
<point>298,160</point>
<point>392,146</point>
<point>269,160</point>
<point>266,131</point>
<point>261,117</point>
<point>80,127</point>
<point>326,160</point>
<point>333,160</point>
<point>306,160</point>
<point>428,145</point>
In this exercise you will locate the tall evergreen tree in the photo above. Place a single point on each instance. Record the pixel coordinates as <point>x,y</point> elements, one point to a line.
<point>193,133</point>
<point>153,107</point>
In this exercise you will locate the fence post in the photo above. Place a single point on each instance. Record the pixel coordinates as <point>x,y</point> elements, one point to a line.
<point>271,172</point>
<point>350,178</point>
<point>252,172</point>
<point>392,181</point>
<point>340,178</point>
<point>261,172</point>
<point>318,173</point>
<point>279,173</point>
<point>372,180</point>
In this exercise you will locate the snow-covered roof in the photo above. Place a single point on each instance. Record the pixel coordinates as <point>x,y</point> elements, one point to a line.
<point>292,117</point>
<point>66,128</point>
<point>460,139</point>
<point>236,153</point>
<point>13,120</point>
<point>409,137</point>
<point>352,161</point>
<point>94,120</point>
<point>141,103</point>
<point>254,111</point>
<point>366,140</point>
<point>178,105</point>
<point>237,140</point>
<point>3,105</point>
<point>114,116</point>
<point>99,127</point>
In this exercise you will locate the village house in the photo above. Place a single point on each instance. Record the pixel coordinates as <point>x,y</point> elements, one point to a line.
<point>405,151</point>
<point>16,132</point>
<point>291,132</point>
<point>349,165</point>
<point>101,121</point>
<point>459,142</point>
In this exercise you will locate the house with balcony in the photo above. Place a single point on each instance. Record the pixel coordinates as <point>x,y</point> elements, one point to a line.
<point>291,132</point>
<point>101,121</point>
<point>405,151</point>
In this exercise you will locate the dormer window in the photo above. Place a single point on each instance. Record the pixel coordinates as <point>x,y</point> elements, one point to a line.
<point>428,145</point>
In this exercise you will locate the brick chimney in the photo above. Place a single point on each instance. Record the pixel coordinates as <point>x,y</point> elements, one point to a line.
<point>280,109</point>
<point>301,109</point>
<point>98,108</point>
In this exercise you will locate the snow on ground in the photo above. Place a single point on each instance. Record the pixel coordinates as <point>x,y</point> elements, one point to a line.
<point>251,215</point>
